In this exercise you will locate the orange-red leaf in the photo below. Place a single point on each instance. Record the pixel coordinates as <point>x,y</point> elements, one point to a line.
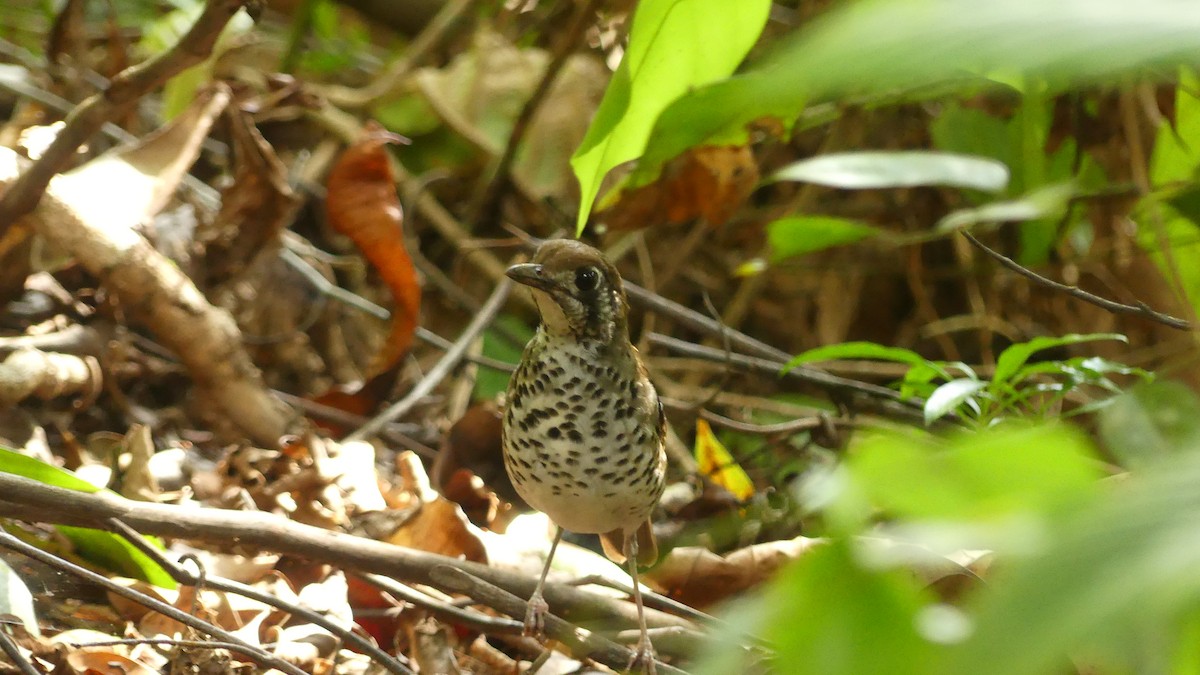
<point>361,203</point>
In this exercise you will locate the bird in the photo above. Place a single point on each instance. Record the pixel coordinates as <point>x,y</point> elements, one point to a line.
<point>583,431</point>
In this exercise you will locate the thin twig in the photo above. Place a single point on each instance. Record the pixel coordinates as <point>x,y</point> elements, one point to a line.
<point>656,600</point>
<point>440,369</point>
<point>13,652</point>
<point>789,427</point>
<point>444,610</point>
<point>439,28</point>
<point>186,577</point>
<point>581,643</point>
<point>887,399</point>
<point>255,654</point>
<point>1140,309</point>
<point>699,322</point>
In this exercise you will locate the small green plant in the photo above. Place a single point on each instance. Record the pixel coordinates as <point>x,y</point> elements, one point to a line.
<point>1017,387</point>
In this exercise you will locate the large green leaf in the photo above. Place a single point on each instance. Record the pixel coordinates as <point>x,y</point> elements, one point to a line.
<point>674,46</point>
<point>877,47</point>
<point>103,548</point>
<point>1151,423</point>
<point>828,615</point>
<point>989,475</point>
<point>1126,564</point>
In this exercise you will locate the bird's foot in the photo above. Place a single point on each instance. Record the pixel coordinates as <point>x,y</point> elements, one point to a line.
<point>643,656</point>
<point>535,616</point>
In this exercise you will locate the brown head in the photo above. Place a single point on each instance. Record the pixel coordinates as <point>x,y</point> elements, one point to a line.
<point>577,290</point>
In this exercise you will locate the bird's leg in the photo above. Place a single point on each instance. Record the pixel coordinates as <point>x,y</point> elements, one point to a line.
<point>535,613</point>
<point>643,654</point>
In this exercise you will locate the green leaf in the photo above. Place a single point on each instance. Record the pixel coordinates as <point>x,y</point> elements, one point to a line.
<point>827,615</point>
<point>946,398</point>
<point>488,382</point>
<point>674,46</point>
<point>880,47</point>
<point>1172,243</point>
<point>1176,155</point>
<point>796,235</point>
<point>984,476</point>
<point>866,170</point>
<point>1015,356</point>
<point>1047,202</point>
<point>103,548</point>
<point>858,350</point>
<point>1151,423</point>
<point>1106,573</point>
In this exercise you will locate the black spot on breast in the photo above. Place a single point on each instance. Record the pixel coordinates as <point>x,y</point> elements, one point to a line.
<point>600,459</point>
<point>553,432</point>
<point>574,435</point>
<point>591,471</point>
<point>608,476</point>
<point>576,398</point>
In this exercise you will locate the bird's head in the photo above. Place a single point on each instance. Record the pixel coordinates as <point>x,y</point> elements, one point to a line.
<point>577,291</point>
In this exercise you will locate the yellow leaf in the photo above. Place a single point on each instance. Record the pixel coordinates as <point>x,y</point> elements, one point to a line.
<point>716,463</point>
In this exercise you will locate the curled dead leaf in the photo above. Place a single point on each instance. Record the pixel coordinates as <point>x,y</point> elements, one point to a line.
<point>361,203</point>
<point>698,577</point>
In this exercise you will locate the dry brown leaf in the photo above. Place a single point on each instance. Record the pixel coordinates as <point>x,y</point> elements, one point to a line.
<point>438,524</point>
<point>255,208</point>
<point>483,90</point>
<point>709,181</point>
<point>698,577</point>
<point>106,663</point>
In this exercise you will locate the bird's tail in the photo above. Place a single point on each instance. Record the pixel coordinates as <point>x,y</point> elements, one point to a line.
<point>647,548</point>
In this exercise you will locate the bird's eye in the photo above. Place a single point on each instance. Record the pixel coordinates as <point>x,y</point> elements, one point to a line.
<point>587,278</point>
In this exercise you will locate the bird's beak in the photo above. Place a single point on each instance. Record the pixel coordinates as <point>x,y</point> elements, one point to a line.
<point>530,274</point>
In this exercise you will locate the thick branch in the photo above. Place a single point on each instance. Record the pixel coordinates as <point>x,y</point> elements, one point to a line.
<point>26,499</point>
